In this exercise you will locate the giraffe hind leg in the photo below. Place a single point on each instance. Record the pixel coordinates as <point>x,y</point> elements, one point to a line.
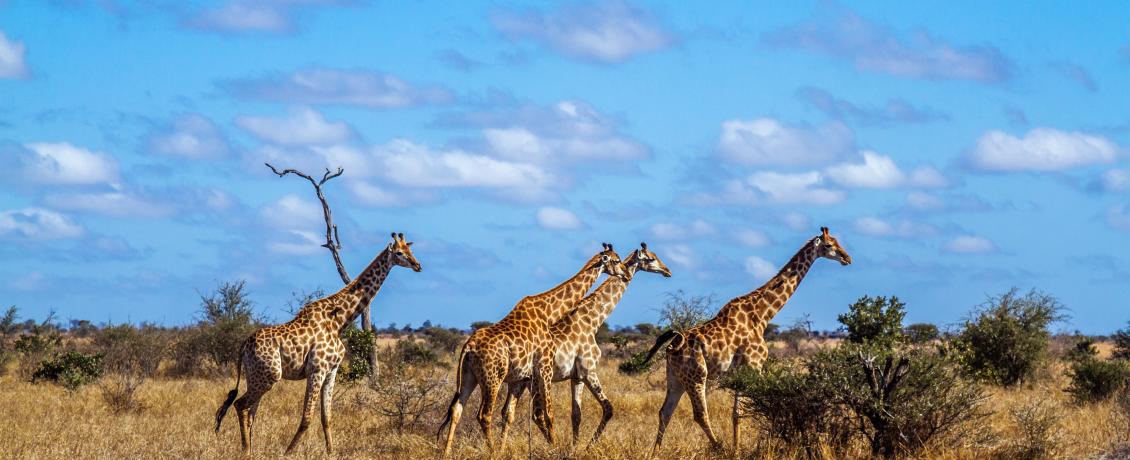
<point>513,395</point>
<point>313,387</point>
<point>593,383</point>
<point>675,392</point>
<point>455,410</point>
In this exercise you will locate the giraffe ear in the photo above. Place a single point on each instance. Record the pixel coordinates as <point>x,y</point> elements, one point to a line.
<point>824,231</point>
<point>409,243</point>
<point>644,246</point>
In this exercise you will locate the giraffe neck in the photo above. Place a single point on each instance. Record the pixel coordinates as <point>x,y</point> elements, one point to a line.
<point>607,295</point>
<point>361,290</point>
<point>563,298</point>
<point>761,305</point>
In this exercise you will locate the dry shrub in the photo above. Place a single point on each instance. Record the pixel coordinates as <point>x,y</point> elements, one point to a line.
<point>408,395</point>
<point>1035,433</point>
<point>120,393</point>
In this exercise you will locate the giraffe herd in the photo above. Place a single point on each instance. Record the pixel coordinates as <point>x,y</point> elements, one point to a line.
<point>547,337</point>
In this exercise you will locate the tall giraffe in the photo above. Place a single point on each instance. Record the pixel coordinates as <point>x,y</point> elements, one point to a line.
<point>503,352</point>
<point>309,347</point>
<point>573,352</point>
<point>734,337</point>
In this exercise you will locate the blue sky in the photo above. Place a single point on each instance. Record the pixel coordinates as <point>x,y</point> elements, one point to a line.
<point>957,149</point>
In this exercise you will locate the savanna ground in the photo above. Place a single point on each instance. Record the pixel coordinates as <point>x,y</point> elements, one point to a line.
<point>176,418</point>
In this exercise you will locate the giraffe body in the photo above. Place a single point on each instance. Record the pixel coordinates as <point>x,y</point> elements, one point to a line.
<point>504,351</point>
<point>734,337</point>
<point>573,351</point>
<point>309,347</point>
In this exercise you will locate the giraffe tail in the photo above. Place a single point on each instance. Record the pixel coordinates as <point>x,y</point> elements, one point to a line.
<point>458,389</point>
<point>234,392</point>
<point>675,338</point>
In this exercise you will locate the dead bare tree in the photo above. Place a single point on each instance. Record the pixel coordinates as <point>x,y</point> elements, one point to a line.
<point>333,243</point>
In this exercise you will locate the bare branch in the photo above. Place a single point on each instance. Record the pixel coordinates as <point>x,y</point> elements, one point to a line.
<point>332,242</point>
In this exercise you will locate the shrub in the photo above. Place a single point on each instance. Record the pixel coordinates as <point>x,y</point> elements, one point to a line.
<point>36,346</point>
<point>681,312</point>
<point>1083,349</point>
<point>358,344</point>
<point>71,369</point>
<point>795,335</point>
<point>127,349</point>
<point>9,326</point>
<point>790,402</point>
<point>899,403</point>
<point>412,352</point>
<point>1005,340</point>
<point>445,341</point>
<point>921,333</point>
<point>1094,379</point>
<point>876,321</point>
<point>408,395</point>
<point>636,364</point>
<point>1036,432</point>
<point>227,319</point>
<point>1121,343</point>
<point>120,393</point>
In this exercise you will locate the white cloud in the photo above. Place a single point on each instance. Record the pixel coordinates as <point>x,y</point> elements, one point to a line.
<point>190,136</point>
<point>299,243</point>
<point>382,197</point>
<point>681,255</point>
<point>761,269</point>
<point>603,32</point>
<point>37,224</point>
<point>752,238</point>
<point>61,163</point>
<point>558,219</point>
<point>765,141</point>
<point>801,188</point>
<point>923,201</point>
<point>879,171</point>
<point>1041,149</point>
<point>969,244</point>
<point>293,213</point>
<point>796,221</point>
<point>874,226</point>
<point>12,64</point>
<point>116,204</point>
<point>338,87</point>
<point>1116,180</point>
<point>254,16</point>
<point>666,231</point>
<point>411,165</point>
<point>302,126</point>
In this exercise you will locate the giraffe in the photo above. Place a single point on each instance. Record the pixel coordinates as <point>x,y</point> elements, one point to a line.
<point>734,337</point>
<point>309,347</point>
<point>503,352</point>
<point>573,352</point>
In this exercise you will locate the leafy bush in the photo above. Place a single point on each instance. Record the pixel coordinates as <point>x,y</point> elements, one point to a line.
<point>636,364</point>
<point>1083,349</point>
<point>39,344</point>
<point>876,321</point>
<point>791,403</point>
<point>445,341</point>
<point>1094,379</point>
<point>898,403</point>
<point>1005,340</point>
<point>920,333</point>
<point>71,369</point>
<point>358,344</point>
<point>412,352</point>
<point>681,312</point>
<point>1121,343</point>
<point>227,319</point>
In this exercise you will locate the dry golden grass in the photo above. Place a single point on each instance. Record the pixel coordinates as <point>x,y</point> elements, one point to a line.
<point>45,421</point>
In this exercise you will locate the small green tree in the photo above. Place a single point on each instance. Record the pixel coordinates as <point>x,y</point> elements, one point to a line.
<point>1094,379</point>
<point>71,369</point>
<point>920,333</point>
<point>358,344</point>
<point>876,321</point>
<point>1121,343</point>
<point>1005,340</point>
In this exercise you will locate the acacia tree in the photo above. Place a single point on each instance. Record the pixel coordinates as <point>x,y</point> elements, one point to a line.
<point>333,243</point>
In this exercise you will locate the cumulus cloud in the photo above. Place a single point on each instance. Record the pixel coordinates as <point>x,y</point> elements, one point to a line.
<point>408,164</point>
<point>1041,149</point>
<point>37,224</point>
<point>970,244</point>
<point>761,269</point>
<point>874,226</point>
<point>328,86</point>
<point>666,231</point>
<point>894,111</point>
<point>802,188</point>
<point>12,63</point>
<point>143,202</point>
<point>840,33</point>
<point>60,163</point>
<point>190,136</point>
<point>681,255</point>
<point>370,194</point>
<point>765,141</point>
<point>604,32</point>
<point>879,171</point>
<point>253,16</point>
<point>302,126</point>
<point>554,218</point>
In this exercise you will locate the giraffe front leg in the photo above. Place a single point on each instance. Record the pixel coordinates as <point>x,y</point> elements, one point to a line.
<point>593,382</point>
<point>736,418</point>
<point>543,413</point>
<point>313,386</point>
<point>670,402</point>
<point>486,408</point>
<point>513,395</point>
<point>327,408</point>
<point>578,387</point>
<point>697,394</point>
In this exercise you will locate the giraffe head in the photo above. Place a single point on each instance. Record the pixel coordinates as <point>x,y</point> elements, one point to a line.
<point>828,248</point>
<point>609,262</point>
<point>401,252</point>
<point>647,261</point>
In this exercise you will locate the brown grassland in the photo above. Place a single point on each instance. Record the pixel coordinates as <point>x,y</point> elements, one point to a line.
<point>49,422</point>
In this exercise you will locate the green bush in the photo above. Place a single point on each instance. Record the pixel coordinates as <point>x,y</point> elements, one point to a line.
<point>1121,343</point>
<point>412,352</point>
<point>636,364</point>
<point>358,344</point>
<point>71,369</point>
<point>875,320</point>
<point>1005,340</point>
<point>212,345</point>
<point>1094,379</point>
<point>445,341</point>
<point>791,403</point>
<point>921,333</point>
<point>1083,349</point>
